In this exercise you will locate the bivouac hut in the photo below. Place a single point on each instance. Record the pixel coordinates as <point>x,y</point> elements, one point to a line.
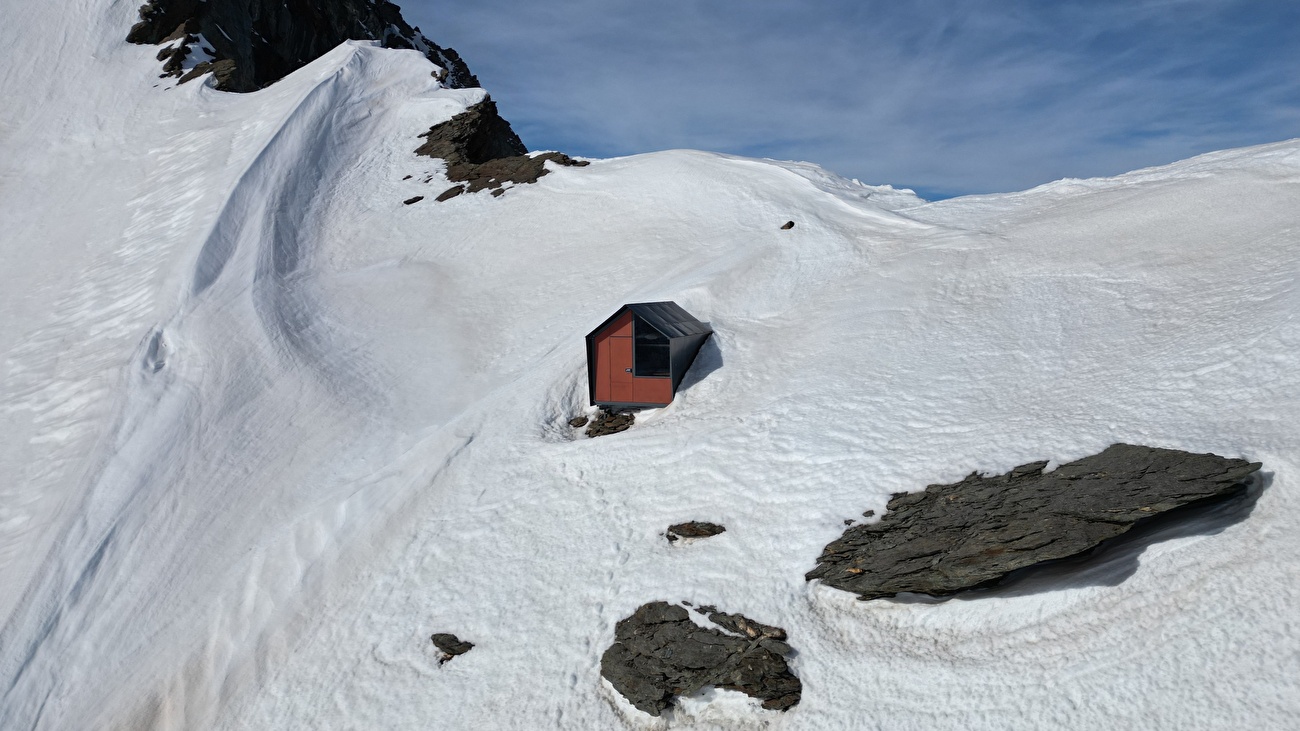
<point>638,357</point>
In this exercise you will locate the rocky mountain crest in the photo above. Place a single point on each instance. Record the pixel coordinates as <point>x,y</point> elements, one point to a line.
<point>249,44</point>
<point>482,152</point>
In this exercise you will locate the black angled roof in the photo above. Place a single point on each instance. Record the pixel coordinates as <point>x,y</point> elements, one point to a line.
<point>670,319</point>
<point>666,317</point>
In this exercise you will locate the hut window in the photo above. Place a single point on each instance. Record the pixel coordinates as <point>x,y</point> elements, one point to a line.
<point>651,351</point>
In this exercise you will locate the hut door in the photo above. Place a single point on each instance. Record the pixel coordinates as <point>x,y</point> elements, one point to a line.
<point>620,369</point>
<point>613,371</point>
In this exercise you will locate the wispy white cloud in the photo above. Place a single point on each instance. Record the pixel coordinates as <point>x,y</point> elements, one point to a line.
<point>949,96</point>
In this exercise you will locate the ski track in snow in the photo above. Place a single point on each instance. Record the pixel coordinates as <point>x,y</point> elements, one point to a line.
<point>269,428</point>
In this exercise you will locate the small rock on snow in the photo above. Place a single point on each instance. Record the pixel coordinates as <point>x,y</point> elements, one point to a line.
<point>451,646</point>
<point>450,193</point>
<point>694,529</point>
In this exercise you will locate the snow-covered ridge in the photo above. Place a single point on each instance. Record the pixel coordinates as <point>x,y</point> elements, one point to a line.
<point>266,428</point>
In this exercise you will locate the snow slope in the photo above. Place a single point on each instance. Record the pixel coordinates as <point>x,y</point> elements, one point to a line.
<point>265,428</point>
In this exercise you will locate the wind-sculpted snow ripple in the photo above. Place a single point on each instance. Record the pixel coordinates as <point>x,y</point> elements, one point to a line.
<point>262,238</point>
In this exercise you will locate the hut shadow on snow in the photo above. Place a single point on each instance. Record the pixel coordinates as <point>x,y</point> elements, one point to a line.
<point>708,360</point>
<point>1114,561</point>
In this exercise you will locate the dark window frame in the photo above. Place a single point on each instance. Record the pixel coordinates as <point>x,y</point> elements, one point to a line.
<point>638,346</point>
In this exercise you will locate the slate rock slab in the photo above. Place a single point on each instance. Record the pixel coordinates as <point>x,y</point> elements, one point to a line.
<point>694,529</point>
<point>660,654</point>
<point>450,193</point>
<point>974,532</point>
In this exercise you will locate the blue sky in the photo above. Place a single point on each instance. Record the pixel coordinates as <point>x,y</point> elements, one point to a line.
<point>947,97</point>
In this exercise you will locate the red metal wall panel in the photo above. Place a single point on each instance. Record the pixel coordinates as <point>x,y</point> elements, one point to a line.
<point>620,328</point>
<point>652,390</point>
<point>622,384</point>
<point>602,369</point>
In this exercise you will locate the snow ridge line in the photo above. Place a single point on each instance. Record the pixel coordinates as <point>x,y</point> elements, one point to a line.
<point>270,186</point>
<point>221,243</point>
<point>266,223</point>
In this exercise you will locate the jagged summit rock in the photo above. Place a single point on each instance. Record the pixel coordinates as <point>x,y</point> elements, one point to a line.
<point>483,152</point>
<point>473,137</point>
<point>248,44</point>
<point>660,654</point>
<point>974,532</point>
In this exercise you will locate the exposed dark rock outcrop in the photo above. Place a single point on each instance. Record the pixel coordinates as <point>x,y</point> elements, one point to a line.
<point>578,422</point>
<point>252,43</point>
<point>660,654</point>
<point>974,532</point>
<point>473,137</point>
<point>482,151</point>
<point>451,646</point>
<point>606,422</point>
<point>694,529</point>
